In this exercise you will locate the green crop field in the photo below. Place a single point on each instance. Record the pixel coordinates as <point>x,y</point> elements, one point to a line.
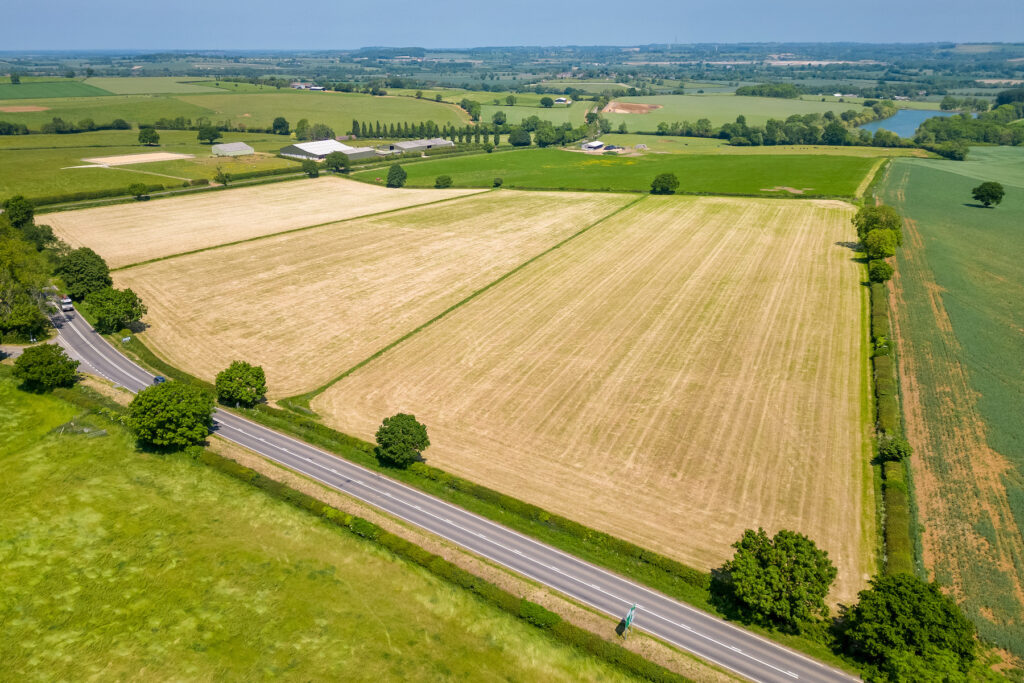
<point>959,305</point>
<point>813,175</point>
<point>27,90</point>
<point>151,85</point>
<point>558,114</point>
<point>119,565</point>
<point>668,144</point>
<point>131,108</point>
<point>720,109</point>
<point>335,109</point>
<point>45,172</point>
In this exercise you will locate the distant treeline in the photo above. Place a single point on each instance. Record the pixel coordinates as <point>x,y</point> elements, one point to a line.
<point>993,127</point>
<point>784,90</point>
<point>59,125</point>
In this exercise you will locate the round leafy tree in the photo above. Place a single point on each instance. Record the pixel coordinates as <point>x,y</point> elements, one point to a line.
<point>241,383</point>
<point>879,271</point>
<point>443,181</point>
<point>396,176</point>
<point>337,162</point>
<point>664,183</point>
<point>893,448</point>
<point>44,367</point>
<point>880,244</point>
<point>114,309</point>
<point>547,102</point>
<point>311,168</point>
<point>519,137</point>
<point>988,193</point>
<point>400,440</point>
<point>84,272</point>
<point>880,217</point>
<point>148,136</point>
<point>901,617</point>
<point>781,580</point>
<point>137,190</point>
<point>170,415</point>
<point>19,211</point>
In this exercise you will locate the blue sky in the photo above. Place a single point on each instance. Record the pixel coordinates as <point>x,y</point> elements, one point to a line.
<point>340,24</point>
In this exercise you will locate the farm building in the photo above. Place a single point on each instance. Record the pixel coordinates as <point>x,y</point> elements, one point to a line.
<point>563,100</point>
<point>595,144</point>
<point>319,149</point>
<point>232,149</point>
<point>419,145</point>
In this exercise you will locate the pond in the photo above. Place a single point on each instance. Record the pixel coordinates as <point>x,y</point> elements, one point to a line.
<point>906,121</point>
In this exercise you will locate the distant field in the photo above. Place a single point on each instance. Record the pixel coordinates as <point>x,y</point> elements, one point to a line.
<point>150,85</point>
<point>959,305</point>
<point>683,145</point>
<point>720,109</point>
<point>686,369</point>
<point>309,305</point>
<point>575,114</point>
<point>131,108</point>
<point>118,565</point>
<point>46,89</point>
<point>712,174</point>
<point>126,234</point>
<point>335,109</point>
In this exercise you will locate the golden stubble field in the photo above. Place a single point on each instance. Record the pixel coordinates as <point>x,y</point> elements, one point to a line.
<point>131,233</point>
<point>309,305</point>
<point>689,368</point>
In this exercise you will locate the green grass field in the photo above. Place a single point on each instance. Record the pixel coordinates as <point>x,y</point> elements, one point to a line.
<point>151,85</point>
<point>28,90</point>
<point>125,566</point>
<point>668,144</point>
<point>726,174</point>
<point>131,108</point>
<point>960,303</point>
<point>720,109</point>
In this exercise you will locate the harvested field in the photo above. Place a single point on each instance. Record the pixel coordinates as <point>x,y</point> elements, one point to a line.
<point>309,305</point>
<point>126,159</point>
<point>127,234</point>
<point>629,108</point>
<point>21,109</point>
<point>684,370</point>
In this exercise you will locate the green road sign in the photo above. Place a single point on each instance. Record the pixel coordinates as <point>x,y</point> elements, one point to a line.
<point>629,617</point>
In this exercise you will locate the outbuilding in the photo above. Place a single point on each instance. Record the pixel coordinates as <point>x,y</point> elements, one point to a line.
<point>595,144</point>
<point>419,145</point>
<point>319,149</point>
<point>232,149</point>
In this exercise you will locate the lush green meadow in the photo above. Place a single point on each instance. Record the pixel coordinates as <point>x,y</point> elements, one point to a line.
<point>959,302</point>
<point>122,566</point>
<point>152,85</point>
<point>27,90</point>
<point>720,109</point>
<point>131,108</point>
<point>817,175</point>
<point>559,114</point>
<point>669,144</point>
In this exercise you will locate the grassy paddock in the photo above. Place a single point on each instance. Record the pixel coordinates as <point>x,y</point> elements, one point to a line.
<point>131,108</point>
<point>815,175</point>
<point>152,85</point>
<point>720,108</point>
<point>28,90</point>
<point>668,144</point>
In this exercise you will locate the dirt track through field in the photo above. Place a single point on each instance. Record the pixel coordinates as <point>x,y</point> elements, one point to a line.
<point>682,371</point>
<point>132,233</point>
<point>629,108</point>
<point>311,304</point>
<point>128,159</point>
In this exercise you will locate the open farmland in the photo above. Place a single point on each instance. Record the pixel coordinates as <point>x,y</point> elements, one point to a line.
<point>131,108</point>
<point>671,144</point>
<point>958,301</point>
<point>685,369</point>
<point>49,88</point>
<point>143,231</point>
<point>719,109</point>
<point>309,305</point>
<point>152,85</point>
<point>764,175</point>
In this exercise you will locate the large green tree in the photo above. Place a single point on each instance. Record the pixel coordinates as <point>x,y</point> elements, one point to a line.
<point>149,136</point>
<point>337,162</point>
<point>24,271</point>
<point>780,580</point>
<point>880,244</point>
<point>519,138</point>
<point>241,383</point>
<point>84,272</point>
<point>396,176</point>
<point>901,619</point>
<point>988,193</point>
<point>401,440</point>
<point>310,168</point>
<point>171,415</point>
<point>208,134</point>
<point>45,367</point>
<point>880,217</point>
<point>280,126</point>
<point>114,309</point>
<point>547,102</point>
<point>19,211</point>
<point>664,183</point>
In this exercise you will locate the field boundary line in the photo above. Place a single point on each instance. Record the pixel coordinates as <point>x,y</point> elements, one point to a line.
<point>305,398</point>
<point>293,230</point>
<point>868,180</point>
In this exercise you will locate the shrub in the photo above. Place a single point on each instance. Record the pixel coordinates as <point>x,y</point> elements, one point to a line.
<point>311,168</point>
<point>443,181</point>
<point>138,190</point>
<point>893,448</point>
<point>879,271</point>
<point>45,367</point>
<point>537,615</point>
<point>498,182</point>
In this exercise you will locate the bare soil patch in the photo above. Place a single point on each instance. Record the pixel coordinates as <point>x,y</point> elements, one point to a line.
<point>126,159</point>
<point>22,108</point>
<point>784,188</point>
<point>614,107</point>
<point>682,371</point>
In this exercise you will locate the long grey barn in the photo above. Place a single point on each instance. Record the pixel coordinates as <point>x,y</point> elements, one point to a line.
<point>319,149</point>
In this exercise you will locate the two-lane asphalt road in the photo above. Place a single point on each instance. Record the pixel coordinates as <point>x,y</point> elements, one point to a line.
<point>702,634</point>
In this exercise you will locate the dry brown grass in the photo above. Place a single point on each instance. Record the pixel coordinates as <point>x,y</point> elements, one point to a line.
<point>686,369</point>
<point>126,234</point>
<point>127,159</point>
<point>309,305</point>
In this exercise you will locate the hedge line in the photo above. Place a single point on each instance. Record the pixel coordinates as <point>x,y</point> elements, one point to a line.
<point>898,544</point>
<point>89,194</point>
<point>530,612</point>
<point>264,172</point>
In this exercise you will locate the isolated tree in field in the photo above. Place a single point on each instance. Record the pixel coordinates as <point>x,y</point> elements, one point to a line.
<point>880,244</point>
<point>401,440</point>
<point>137,190</point>
<point>510,100</point>
<point>879,271</point>
<point>901,619</point>
<point>664,183</point>
<point>497,182</point>
<point>149,136</point>
<point>114,309</point>
<point>241,383</point>
<point>499,118</point>
<point>443,181</point>
<point>547,102</point>
<point>83,272</point>
<point>280,126</point>
<point>208,134</point>
<point>310,168</point>
<point>782,580</point>
<point>880,217</point>
<point>170,415</point>
<point>988,193</point>
<point>44,367</point>
<point>19,211</point>
<point>15,78</point>
<point>519,138</point>
<point>337,162</point>
<point>396,176</point>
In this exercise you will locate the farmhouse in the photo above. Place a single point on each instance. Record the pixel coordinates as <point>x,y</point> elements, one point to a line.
<point>319,149</point>
<point>419,145</point>
<point>232,149</point>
